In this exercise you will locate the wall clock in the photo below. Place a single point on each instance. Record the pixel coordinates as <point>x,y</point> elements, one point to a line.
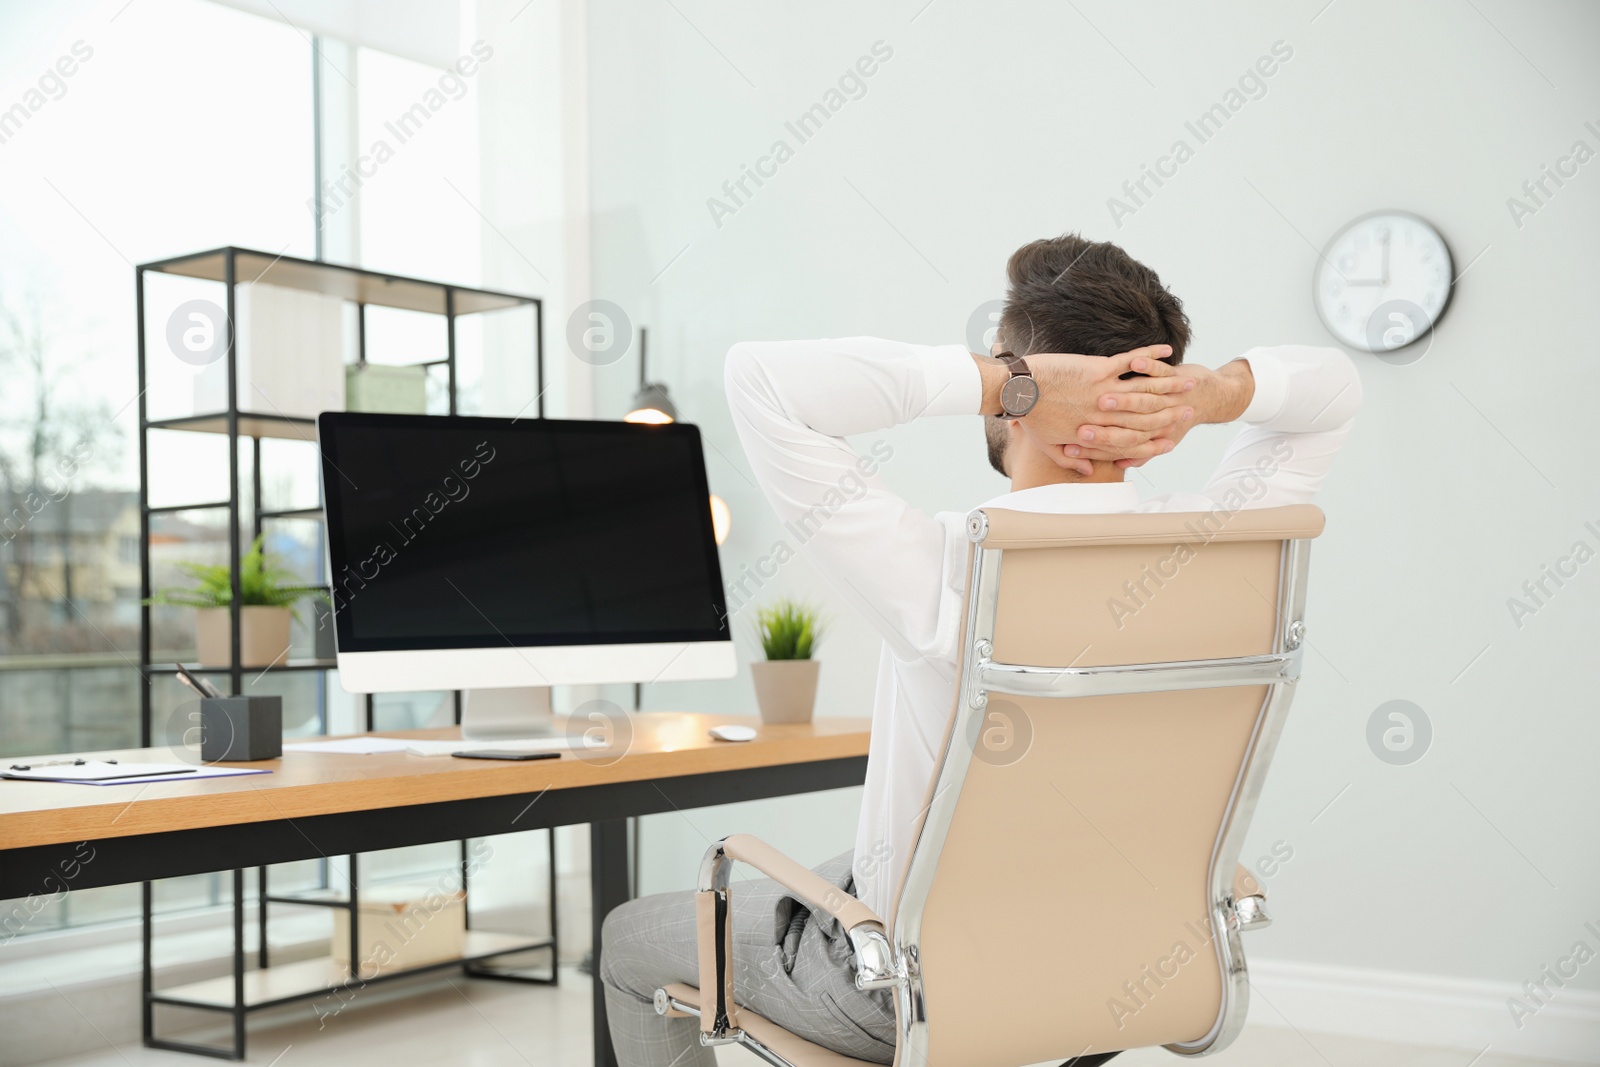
<point>1383,281</point>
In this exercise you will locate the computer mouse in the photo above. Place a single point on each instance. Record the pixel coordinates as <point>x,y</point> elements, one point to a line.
<point>732,733</point>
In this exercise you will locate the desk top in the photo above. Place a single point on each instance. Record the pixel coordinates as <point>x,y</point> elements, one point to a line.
<point>664,745</point>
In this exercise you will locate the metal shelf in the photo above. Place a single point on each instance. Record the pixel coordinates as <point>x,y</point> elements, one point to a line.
<point>251,424</point>
<point>287,982</point>
<point>327,897</point>
<point>245,991</point>
<point>332,279</point>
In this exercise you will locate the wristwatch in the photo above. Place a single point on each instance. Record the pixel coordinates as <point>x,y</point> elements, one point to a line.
<point>1020,392</point>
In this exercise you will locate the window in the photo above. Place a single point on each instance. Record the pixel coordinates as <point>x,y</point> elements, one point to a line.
<point>96,179</point>
<point>186,125</point>
<point>213,147</point>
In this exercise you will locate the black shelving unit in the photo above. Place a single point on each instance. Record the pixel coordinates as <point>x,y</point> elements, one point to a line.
<point>267,986</point>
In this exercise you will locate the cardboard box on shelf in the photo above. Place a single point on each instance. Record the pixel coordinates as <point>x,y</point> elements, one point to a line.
<point>381,387</point>
<point>291,354</point>
<point>402,926</point>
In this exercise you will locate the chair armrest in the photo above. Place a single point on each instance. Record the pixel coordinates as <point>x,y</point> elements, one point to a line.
<point>719,1014</point>
<point>817,892</point>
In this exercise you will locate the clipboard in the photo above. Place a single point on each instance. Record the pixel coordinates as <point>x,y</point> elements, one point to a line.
<point>105,772</point>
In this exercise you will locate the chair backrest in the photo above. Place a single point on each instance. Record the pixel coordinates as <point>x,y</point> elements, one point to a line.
<point>1123,682</point>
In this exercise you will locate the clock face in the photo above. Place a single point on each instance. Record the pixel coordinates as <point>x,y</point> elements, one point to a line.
<point>1383,281</point>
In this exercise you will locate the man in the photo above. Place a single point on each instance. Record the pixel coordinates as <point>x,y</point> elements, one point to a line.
<point>1066,450</point>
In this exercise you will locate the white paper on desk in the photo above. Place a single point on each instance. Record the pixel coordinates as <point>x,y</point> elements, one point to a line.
<point>199,772</point>
<point>351,746</point>
<point>96,772</point>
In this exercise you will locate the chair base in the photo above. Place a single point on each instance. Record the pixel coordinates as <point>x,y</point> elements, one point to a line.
<point>779,1047</point>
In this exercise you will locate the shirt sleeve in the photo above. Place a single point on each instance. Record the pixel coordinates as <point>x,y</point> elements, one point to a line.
<point>1305,404</point>
<point>793,403</point>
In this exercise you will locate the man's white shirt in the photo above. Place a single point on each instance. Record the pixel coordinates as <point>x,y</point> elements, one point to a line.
<point>795,402</point>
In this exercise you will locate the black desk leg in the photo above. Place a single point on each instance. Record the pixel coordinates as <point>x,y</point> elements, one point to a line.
<point>608,877</point>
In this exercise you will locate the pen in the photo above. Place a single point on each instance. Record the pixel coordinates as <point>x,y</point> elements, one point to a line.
<point>198,684</point>
<point>54,763</point>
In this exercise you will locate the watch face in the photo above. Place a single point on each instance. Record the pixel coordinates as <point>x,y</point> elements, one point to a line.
<point>1383,281</point>
<point>1019,394</point>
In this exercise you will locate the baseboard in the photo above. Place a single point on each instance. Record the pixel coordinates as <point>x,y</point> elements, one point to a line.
<point>1418,1009</point>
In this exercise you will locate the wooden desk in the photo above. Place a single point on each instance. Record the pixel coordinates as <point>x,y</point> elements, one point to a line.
<point>322,804</point>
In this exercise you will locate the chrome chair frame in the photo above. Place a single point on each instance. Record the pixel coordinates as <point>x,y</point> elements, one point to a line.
<point>892,960</point>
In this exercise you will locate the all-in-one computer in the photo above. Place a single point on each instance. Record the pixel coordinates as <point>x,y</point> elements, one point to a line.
<point>505,556</point>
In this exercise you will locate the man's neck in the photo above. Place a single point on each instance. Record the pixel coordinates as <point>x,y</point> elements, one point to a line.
<point>1030,470</point>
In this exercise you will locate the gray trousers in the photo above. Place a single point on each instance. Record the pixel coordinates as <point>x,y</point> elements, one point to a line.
<point>791,965</point>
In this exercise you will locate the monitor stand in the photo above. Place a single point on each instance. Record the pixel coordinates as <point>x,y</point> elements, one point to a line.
<point>507,714</point>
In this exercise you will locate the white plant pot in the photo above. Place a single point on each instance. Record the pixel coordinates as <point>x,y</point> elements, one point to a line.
<point>263,638</point>
<point>786,689</point>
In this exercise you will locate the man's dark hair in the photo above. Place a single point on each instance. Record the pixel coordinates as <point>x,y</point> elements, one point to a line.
<point>1068,294</point>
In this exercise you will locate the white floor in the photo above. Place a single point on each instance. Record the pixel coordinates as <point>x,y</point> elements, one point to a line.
<point>470,1023</point>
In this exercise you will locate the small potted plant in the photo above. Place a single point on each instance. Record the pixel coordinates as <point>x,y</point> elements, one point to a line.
<point>786,684</point>
<point>266,605</point>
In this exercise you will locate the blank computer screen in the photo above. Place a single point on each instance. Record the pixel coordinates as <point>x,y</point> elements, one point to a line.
<point>456,532</point>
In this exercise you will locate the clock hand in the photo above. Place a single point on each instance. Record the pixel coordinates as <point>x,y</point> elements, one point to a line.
<point>1383,281</point>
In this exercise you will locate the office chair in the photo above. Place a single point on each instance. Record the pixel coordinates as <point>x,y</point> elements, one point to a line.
<point>1075,892</point>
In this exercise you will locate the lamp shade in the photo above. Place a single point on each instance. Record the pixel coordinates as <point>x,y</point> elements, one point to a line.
<point>651,404</point>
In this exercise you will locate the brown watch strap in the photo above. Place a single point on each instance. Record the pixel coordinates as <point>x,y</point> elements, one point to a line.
<point>1015,364</point>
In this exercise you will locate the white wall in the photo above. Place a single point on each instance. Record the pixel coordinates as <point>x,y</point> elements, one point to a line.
<point>996,123</point>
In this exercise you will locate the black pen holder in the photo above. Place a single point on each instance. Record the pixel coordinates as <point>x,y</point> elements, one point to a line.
<point>241,728</point>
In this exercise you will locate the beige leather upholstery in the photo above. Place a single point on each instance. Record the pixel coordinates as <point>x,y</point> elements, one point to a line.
<point>1099,840</point>
<point>1246,884</point>
<point>798,879</point>
<point>1104,831</point>
<point>1079,597</point>
<point>1032,529</point>
<point>1064,906</point>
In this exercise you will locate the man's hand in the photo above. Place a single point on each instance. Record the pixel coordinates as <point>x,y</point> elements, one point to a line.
<point>1219,396</point>
<point>1085,411</point>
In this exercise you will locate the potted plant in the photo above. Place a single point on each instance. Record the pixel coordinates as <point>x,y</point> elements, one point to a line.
<point>786,684</point>
<point>266,599</point>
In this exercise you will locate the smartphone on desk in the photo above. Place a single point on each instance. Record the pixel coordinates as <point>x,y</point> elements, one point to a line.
<point>492,754</point>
